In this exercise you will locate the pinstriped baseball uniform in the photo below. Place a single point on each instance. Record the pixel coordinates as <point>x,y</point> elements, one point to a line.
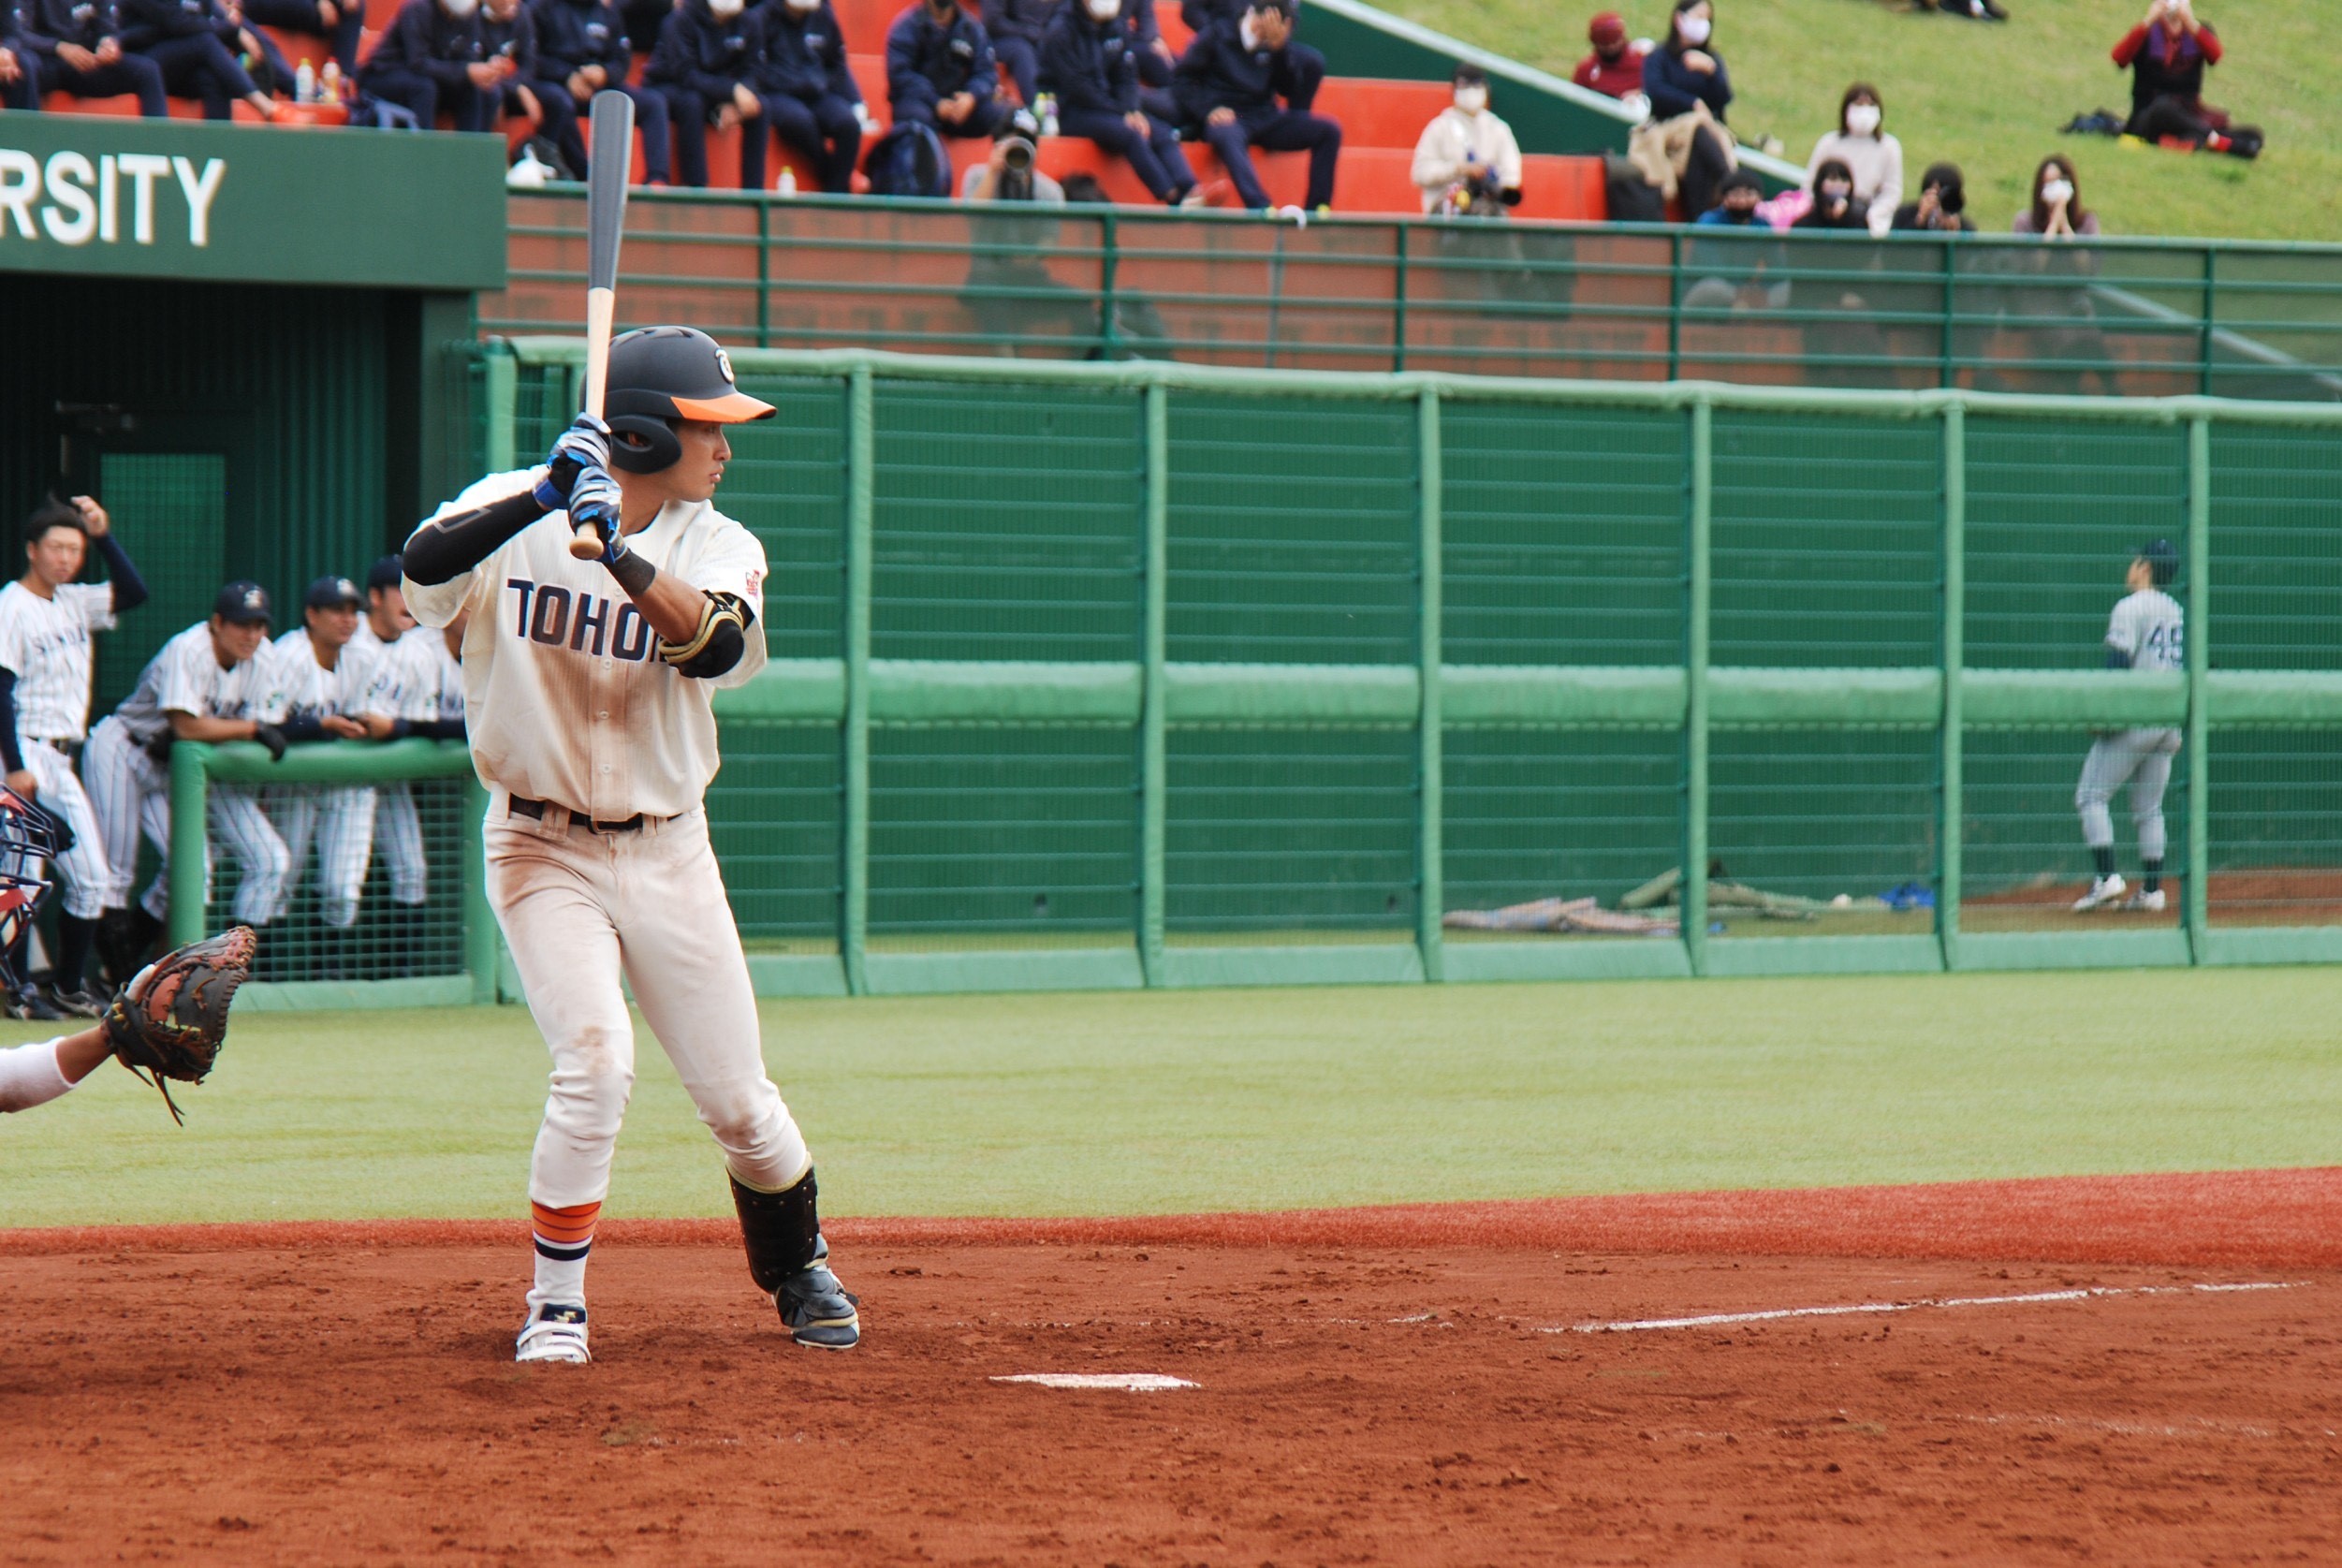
<point>568,705</point>
<point>47,642</point>
<point>2147,628</point>
<point>130,790</point>
<point>339,817</point>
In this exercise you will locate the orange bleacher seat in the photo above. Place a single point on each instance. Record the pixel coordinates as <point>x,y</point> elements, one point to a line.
<point>1375,112</point>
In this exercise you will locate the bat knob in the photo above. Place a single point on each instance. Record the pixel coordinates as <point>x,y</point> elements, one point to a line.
<point>586,544</point>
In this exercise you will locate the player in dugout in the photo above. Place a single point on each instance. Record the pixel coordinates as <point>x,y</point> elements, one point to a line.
<point>47,621</point>
<point>590,686</point>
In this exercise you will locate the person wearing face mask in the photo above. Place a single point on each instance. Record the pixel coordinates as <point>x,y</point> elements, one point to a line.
<point>707,51</point>
<point>1843,345</point>
<point>1941,204</point>
<point>194,44</point>
<point>582,48</point>
<point>432,59</point>
<point>1875,157</point>
<point>2167,55</point>
<point>1305,67</point>
<point>1467,162</point>
<point>2057,212</point>
<point>942,73</point>
<point>508,33</point>
<point>1733,272</point>
<point>1615,70</point>
<point>1689,89</point>
<point>809,94</point>
<point>1231,82</point>
<point>1090,62</point>
<point>1835,205</point>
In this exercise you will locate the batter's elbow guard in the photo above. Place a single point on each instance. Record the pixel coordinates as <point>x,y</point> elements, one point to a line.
<point>716,647</point>
<point>781,1230</point>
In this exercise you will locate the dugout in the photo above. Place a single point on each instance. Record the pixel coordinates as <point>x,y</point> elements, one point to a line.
<point>249,343</point>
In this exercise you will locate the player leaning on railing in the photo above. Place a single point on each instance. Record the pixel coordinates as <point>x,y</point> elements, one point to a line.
<point>589,687</point>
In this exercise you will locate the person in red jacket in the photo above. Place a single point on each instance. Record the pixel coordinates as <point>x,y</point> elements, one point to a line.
<point>1616,67</point>
<point>2166,57</point>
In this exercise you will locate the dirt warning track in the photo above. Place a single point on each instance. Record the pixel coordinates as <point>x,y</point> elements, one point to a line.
<point>1488,1401</point>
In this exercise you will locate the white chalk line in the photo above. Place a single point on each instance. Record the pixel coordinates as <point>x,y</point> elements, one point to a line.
<point>1127,1383</point>
<point>2089,1292</point>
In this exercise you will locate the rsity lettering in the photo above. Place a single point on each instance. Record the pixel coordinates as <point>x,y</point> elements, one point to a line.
<point>74,201</point>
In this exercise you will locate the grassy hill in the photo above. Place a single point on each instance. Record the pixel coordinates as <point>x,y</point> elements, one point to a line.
<point>1990,97</point>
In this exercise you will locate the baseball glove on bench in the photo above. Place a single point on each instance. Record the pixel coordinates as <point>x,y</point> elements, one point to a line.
<point>170,1021</point>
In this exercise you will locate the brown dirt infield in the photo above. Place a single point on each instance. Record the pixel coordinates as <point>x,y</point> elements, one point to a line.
<point>1391,1385</point>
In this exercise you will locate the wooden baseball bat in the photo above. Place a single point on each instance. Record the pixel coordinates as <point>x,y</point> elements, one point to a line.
<point>606,225</point>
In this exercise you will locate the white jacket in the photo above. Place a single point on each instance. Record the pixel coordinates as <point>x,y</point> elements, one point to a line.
<point>1440,155</point>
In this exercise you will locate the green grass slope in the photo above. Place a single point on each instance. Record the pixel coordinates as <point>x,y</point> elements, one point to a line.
<point>1158,1103</point>
<point>1991,97</point>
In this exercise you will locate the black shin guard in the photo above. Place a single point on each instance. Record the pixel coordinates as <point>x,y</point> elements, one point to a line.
<point>781,1230</point>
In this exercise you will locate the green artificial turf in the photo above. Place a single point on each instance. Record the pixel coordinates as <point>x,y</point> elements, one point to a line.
<point>1166,1102</point>
<point>1990,97</point>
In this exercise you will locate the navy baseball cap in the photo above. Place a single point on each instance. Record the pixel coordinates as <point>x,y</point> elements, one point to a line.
<point>388,572</point>
<point>2163,559</point>
<point>243,603</point>
<point>332,593</point>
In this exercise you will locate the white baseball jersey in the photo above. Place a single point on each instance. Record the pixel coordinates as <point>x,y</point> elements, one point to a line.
<point>186,677</point>
<point>2146,629</point>
<point>47,642</point>
<point>566,698</point>
<point>301,688</point>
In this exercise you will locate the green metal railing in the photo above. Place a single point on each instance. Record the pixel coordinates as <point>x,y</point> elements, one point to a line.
<point>857,692</point>
<point>1995,313</point>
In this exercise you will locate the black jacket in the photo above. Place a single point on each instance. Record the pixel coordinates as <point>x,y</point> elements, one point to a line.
<point>148,22</point>
<point>708,57</point>
<point>572,35</point>
<point>514,39</point>
<point>926,64</point>
<point>1028,19</point>
<point>803,56</point>
<point>87,22</point>
<point>1219,72</point>
<point>1090,67</point>
<point>429,42</point>
<point>17,35</point>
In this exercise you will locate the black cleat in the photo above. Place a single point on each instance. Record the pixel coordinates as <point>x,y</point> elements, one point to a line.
<point>30,1004</point>
<point>83,1004</point>
<point>816,1309</point>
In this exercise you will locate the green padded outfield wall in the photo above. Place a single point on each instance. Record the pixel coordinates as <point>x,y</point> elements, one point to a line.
<point>1007,511</point>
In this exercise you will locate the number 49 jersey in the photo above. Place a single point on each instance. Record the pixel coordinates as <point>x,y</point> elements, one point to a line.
<point>2146,628</point>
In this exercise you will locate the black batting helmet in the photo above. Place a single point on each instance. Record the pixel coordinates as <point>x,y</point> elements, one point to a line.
<point>658,375</point>
<point>2163,559</point>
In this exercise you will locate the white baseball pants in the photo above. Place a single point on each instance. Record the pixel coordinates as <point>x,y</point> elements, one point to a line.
<point>402,855</point>
<point>2140,759</point>
<point>131,792</point>
<point>579,910</point>
<point>341,820</point>
<point>83,869</point>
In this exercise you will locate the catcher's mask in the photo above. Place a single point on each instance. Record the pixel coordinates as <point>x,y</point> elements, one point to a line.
<point>661,375</point>
<point>28,841</point>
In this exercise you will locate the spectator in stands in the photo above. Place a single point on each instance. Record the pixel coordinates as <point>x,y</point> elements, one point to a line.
<point>1941,207</point>
<point>2166,55</point>
<point>1019,29</point>
<point>1156,63</point>
<point>1732,272</point>
<point>1690,89</point>
<point>1090,62</point>
<point>942,73</point>
<point>1467,162</point>
<point>77,49</point>
<point>1011,173</point>
<point>17,60</point>
<point>581,48</point>
<point>2057,212</point>
<point>1616,67</point>
<point>194,44</point>
<point>341,23</point>
<point>432,59</point>
<point>1874,155</point>
<point>1230,83</point>
<point>508,33</point>
<point>703,64</point>
<point>1836,203</point>
<point>1305,67</point>
<point>808,93</point>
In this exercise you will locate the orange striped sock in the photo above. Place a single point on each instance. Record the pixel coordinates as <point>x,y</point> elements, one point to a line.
<point>564,1234</point>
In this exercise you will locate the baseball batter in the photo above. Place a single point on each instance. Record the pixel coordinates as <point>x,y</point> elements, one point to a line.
<point>588,699</point>
<point>46,620</point>
<point>207,683</point>
<point>2145,633</point>
<point>320,682</point>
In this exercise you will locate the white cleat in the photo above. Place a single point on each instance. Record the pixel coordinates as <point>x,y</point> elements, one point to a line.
<point>2103,891</point>
<point>555,1334</point>
<point>2145,903</point>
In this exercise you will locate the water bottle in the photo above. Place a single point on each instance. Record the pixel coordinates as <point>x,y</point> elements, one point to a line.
<point>305,83</point>
<point>789,179</point>
<point>1046,105</point>
<point>329,82</point>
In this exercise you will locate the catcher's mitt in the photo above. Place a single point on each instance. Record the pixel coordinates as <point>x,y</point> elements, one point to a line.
<point>170,1021</point>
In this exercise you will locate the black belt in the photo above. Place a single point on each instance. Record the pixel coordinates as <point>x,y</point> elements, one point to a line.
<point>523,806</point>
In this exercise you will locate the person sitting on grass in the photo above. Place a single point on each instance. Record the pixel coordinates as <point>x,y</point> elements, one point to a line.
<point>2166,57</point>
<point>1874,156</point>
<point>1615,70</point>
<point>1941,207</point>
<point>2057,212</point>
<point>1689,89</point>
